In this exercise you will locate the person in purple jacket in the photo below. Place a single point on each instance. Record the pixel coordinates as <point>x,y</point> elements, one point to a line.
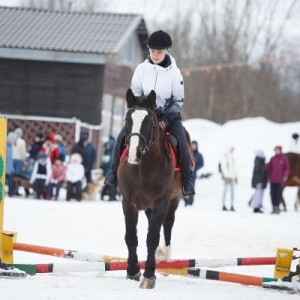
<point>278,171</point>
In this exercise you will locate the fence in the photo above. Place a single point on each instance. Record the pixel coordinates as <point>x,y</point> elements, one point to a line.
<point>69,129</point>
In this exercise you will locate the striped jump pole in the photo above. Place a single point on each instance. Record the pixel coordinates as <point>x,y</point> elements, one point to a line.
<point>69,254</point>
<point>33,269</point>
<point>229,277</point>
<point>172,263</point>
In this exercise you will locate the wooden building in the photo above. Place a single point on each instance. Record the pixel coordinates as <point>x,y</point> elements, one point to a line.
<point>69,64</point>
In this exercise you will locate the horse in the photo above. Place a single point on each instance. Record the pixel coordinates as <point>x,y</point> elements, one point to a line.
<point>147,182</point>
<point>294,177</point>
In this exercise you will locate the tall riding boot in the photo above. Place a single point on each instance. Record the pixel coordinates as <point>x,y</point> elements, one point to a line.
<point>187,184</point>
<point>178,130</point>
<point>111,178</point>
<point>187,173</point>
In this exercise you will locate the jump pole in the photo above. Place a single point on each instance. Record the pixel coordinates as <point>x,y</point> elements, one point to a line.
<point>64,253</point>
<point>172,263</point>
<point>98,266</point>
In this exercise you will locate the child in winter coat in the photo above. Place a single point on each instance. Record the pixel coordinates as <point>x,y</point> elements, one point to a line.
<point>41,174</point>
<point>57,178</point>
<point>74,176</point>
<point>259,181</point>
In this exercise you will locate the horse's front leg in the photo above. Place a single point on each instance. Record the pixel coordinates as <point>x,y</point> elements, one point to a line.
<point>153,236</point>
<point>131,239</point>
<point>169,220</point>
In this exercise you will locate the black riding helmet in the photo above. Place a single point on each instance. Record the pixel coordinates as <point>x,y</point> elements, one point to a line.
<point>159,40</point>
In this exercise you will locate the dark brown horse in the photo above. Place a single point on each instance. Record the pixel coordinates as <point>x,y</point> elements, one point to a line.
<point>294,176</point>
<point>147,181</point>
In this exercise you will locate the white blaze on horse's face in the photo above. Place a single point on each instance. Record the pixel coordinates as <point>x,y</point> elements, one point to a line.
<point>138,117</point>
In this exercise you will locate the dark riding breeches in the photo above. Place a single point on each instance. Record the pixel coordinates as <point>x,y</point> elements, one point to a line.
<point>177,129</point>
<point>117,150</point>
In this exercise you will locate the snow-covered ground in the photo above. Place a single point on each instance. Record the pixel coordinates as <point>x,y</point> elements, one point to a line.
<point>200,231</point>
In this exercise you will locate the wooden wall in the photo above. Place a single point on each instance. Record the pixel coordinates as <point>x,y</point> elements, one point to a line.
<point>52,89</point>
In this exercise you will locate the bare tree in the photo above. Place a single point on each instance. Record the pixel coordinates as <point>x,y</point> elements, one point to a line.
<point>233,31</point>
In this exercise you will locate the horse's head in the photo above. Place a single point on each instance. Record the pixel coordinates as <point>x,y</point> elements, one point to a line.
<point>139,125</point>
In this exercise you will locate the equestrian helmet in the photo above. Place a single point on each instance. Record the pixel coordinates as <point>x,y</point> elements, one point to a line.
<point>159,40</point>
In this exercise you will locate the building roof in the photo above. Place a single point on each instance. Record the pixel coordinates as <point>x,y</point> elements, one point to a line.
<point>80,32</point>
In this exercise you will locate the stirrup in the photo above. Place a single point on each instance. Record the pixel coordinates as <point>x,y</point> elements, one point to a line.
<point>111,179</point>
<point>188,189</point>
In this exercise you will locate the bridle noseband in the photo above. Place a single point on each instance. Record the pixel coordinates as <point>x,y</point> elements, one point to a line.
<point>141,136</point>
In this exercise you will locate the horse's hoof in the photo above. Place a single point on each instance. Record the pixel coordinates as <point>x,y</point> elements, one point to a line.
<point>148,283</point>
<point>136,277</point>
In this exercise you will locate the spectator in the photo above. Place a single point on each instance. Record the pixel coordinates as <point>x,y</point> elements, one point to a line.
<point>36,146</point>
<point>278,171</point>
<point>58,175</point>
<point>295,145</point>
<point>74,176</point>
<point>9,167</point>
<point>90,159</point>
<point>228,171</point>
<point>198,165</point>
<point>105,166</point>
<point>51,148</point>
<point>41,174</point>
<point>19,155</point>
<point>259,181</point>
<point>80,148</point>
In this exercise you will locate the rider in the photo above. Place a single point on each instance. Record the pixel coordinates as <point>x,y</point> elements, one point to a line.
<point>160,73</point>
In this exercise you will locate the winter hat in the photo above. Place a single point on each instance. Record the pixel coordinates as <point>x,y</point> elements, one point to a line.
<point>84,135</point>
<point>39,135</point>
<point>76,158</point>
<point>278,147</point>
<point>295,136</point>
<point>59,138</point>
<point>19,132</point>
<point>159,40</point>
<point>41,155</point>
<point>11,138</point>
<point>195,143</point>
<point>259,153</point>
<point>51,137</point>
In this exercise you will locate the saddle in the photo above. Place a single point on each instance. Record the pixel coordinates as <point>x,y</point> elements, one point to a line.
<point>172,148</point>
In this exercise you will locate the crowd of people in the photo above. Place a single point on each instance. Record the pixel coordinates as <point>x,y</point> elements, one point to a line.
<point>275,172</point>
<point>47,164</point>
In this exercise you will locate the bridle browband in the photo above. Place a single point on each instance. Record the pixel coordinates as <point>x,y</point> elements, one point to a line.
<point>141,136</point>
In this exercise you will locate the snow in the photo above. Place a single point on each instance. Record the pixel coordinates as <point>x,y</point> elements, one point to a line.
<point>202,231</point>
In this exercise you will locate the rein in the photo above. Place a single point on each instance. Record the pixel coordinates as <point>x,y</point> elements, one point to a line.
<point>141,136</point>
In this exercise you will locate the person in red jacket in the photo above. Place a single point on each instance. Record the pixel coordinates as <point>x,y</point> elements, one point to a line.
<point>51,148</point>
<point>278,172</point>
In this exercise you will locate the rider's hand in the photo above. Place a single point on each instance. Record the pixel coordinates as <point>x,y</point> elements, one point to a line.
<point>162,125</point>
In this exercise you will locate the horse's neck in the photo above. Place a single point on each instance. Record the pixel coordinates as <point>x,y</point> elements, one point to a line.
<point>158,137</point>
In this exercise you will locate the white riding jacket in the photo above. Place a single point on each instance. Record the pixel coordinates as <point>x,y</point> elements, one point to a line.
<point>166,82</point>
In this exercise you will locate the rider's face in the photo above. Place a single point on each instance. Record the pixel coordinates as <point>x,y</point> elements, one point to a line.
<point>157,56</point>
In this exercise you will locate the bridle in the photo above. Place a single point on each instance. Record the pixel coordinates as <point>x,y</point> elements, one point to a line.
<point>141,136</point>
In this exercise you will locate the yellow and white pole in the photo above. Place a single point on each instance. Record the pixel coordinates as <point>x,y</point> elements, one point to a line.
<point>3,133</point>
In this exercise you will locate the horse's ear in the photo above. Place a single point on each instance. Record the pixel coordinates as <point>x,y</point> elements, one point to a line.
<point>130,98</point>
<point>152,99</point>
